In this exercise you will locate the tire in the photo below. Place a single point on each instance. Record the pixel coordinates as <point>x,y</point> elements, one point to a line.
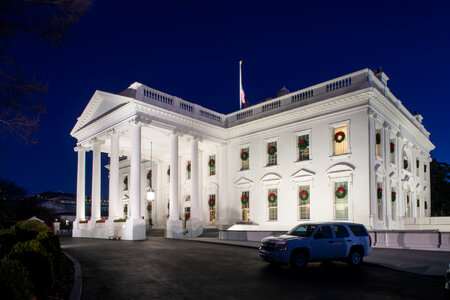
<point>299,260</point>
<point>355,258</point>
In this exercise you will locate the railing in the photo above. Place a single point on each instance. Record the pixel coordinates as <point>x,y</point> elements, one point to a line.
<point>303,95</point>
<point>339,84</point>
<point>244,114</point>
<point>272,105</point>
<point>158,96</point>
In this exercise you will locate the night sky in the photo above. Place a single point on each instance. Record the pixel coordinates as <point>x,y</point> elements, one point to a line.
<point>191,50</point>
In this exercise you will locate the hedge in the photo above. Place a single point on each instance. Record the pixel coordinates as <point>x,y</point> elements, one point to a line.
<point>15,280</point>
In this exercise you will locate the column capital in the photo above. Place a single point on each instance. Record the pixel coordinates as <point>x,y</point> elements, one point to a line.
<point>176,132</point>
<point>371,113</point>
<point>136,121</point>
<point>79,148</point>
<point>387,126</point>
<point>96,141</point>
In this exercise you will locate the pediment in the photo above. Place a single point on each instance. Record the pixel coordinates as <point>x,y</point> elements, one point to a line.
<point>340,168</point>
<point>302,175</point>
<point>243,183</point>
<point>270,179</point>
<point>100,104</point>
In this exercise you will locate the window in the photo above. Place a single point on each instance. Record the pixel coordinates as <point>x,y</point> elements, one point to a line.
<point>340,231</point>
<point>212,207</point>
<point>393,204</point>
<point>272,153</point>
<point>340,139</point>
<point>149,178</point>
<point>378,144</point>
<point>212,165</point>
<point>341,201</point>
<point>245,201</point>
<point>380,200</point>
<point>358,230</point>
<point>406,163</point>
<point>272,204</point>
<point>303,202</point>
<point>408,213</point>
<point>303,147</point>
<point>417,168</point>
<point>324,232</point>
<point>245,159</point>
<point>188,169</point>
<point>125,183</point>
<point>392,151</point>
<point>168,174</point>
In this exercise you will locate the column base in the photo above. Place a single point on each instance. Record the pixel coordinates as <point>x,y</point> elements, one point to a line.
<point>174,229</point>
<point>135,230</point>
<point>195,226</point>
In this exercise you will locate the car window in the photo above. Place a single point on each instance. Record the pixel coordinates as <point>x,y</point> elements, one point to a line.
<point>324,232</point>
<point>358,230</point>
<point>340,231</point>
<point>303,230</point>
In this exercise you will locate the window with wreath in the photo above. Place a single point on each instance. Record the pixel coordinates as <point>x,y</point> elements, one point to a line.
<point>408,211</point>
<point>245,158</point>
<point>271,153</point>
<point>303,147</point>
<point>378,144</point>
<point>168,174</point>
<point>188,169</point>
<point>417,168</point>
<point>212,165</point>
<point>272,204</point>
<point>341,200</point>
<point>340,140</point>
<point>303,202</point>
<point>392,151</point>
<point>393,204</point>
<point>405,161</point>
<point>380,200</point>
<point>149,178</point>
<point>212,207</point>
<point>125,183</point>
<point>245,202</point>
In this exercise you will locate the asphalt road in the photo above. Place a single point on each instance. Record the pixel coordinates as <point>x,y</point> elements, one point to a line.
<point>179,269</point>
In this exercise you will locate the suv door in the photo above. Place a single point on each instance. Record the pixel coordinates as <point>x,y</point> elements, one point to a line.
<point>343,241</point>
<point>322,243</point>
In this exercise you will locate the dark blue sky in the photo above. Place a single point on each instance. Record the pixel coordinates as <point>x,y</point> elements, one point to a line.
<point>191,49</point>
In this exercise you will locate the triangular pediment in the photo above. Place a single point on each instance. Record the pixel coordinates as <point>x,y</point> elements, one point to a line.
<point>100,104</point>
<point>303,175</point>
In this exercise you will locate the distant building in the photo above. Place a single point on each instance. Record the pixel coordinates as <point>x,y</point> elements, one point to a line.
<point>345,149</point>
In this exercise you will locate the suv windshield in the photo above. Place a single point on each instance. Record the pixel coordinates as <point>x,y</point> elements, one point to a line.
<point>302,230</point>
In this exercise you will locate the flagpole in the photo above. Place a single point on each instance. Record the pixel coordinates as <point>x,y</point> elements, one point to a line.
<point>240,84</point>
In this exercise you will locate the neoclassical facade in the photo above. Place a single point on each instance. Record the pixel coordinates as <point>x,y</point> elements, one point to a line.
<point>345,149</point>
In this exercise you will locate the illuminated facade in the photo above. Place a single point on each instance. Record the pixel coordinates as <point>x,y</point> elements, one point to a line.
<point>345,149</point>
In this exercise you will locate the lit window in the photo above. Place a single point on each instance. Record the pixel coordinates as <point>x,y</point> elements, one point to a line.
<point>380,200</point>
<point>340,139</point>
<point>378,147</point>
<point>271,153</point>
<point>304,202</point>
<point>393,204</point>
<point>245,158</point>
<point>188,169</point>
<point>272,204</point>
<point>245,201</point>
<point>212,165</point>
<point>341,200</point>
<point>212,207</point>
<point>392,151</point>
<point>303,147</point>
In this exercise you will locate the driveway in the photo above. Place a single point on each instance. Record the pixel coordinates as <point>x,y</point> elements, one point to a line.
<point>180,269</point>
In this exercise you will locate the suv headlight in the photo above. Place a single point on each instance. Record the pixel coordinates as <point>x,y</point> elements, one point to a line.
<point>282,247</point>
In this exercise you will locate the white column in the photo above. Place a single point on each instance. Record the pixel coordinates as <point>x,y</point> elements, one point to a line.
<point>387,182</point>
<point>135,172</point>
<point>194,179</point>
<point>221,202</point>
<point>114,205</point>
<point>372,177</point>
<point>96,182</point>
<point>174,214</point>
<point>81,183</point>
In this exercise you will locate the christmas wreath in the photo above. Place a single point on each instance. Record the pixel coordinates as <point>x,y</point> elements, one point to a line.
<point>407,199</point>
<point>244,155</point>
<point>394,196</point>
<point>211,202</point>
<point>125,180</point>
<point>378,138</point>
<point>392,147</point>
<point>149,207</point>
<point>188,167</point>
<point>405,164</point>
<point>304,195</point>
<point>149,174</point>
<point>168,171</point>
<point>125,209</point>
<point>244,200</point>
<point>302,144</point>
<point>379,193</point>
<point>211,162</point>
<point>339,137</point>
<point>272,198</point>
<point>340,193</point>
<point>271,150</point>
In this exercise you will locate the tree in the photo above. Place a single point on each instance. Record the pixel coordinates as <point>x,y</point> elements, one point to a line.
<point>20,104</point>
<point>440,188</point>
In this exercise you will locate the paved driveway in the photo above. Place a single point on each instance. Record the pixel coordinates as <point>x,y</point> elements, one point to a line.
<point>180,269</point>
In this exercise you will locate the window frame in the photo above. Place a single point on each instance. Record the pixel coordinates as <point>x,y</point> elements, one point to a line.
<point>272,206</point>
<point>297,136</point>
<point>332,128</point>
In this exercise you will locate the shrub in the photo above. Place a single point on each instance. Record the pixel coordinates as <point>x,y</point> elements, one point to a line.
<point>50,242</point>
<point>14,280</point>
<point>28,230</point>
<point>7,240</point>
<point>39,264</point>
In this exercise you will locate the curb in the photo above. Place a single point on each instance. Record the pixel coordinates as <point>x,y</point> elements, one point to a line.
<point>77,280</point>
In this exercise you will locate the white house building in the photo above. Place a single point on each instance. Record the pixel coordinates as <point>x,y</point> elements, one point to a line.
<point>345,149</point>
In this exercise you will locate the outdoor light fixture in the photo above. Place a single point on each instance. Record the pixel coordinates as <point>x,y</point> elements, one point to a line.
<point>150,191</point>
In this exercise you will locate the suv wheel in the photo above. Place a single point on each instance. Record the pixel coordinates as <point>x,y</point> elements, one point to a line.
<point>355,258</point>
<point>299,260</point>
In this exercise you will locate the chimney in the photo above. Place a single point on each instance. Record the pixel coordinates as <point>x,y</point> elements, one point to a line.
<point>284,91</point>
<point>381,76</point>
